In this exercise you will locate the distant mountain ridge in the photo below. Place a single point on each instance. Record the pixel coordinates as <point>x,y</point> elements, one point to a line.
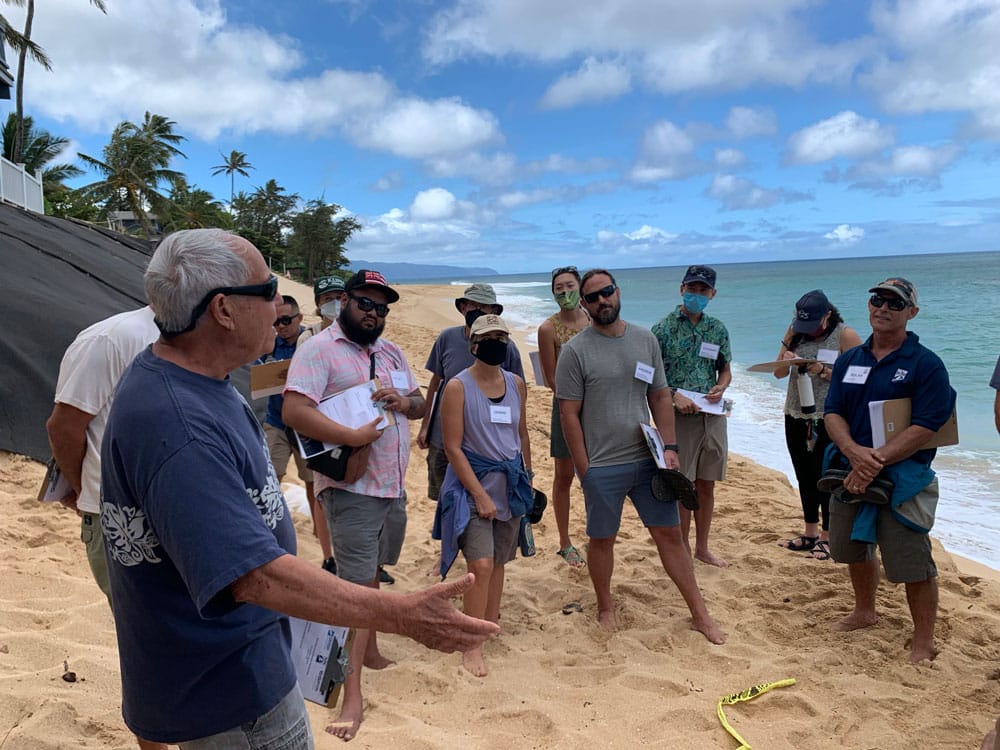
<point>414,271</point>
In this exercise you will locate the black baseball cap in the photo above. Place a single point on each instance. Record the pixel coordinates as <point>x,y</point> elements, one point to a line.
<point>809,311</point>
<point>704,274</point>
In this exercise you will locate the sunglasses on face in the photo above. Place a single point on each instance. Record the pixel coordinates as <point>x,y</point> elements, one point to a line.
<point>267,290</point>
<point>564,269</point>
<point>604,292</point>
<point>895,303</point>
<point>285,320</point>
<point>367,305</point>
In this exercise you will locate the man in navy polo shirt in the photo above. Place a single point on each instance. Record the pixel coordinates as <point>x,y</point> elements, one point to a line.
<point>891,364</point>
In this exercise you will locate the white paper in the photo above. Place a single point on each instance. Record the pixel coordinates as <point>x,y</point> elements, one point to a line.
<point>827,356</point>
<point>536,365</point>
<point>316,652</point>
<point>709,351</point>
<point>878,423</point>
<point>704,404</point>
<point>400,381</point>
<point>644,372</point>
<point>655,443</point>
<point>856,374</point>
<point>354,408</point>
<point>499,414</point>
<point>55,486</point>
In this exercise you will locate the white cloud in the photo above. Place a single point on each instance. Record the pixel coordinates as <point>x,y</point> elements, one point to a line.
<point>595,81</point>
<point>184,59</point>
<point>745,122</point>
<point>665,153</point>
<point>434,204</point>
<point>943,59</point>
<point>845,234</point>
<point>646,233</point>
<point>729,158</point>
<point>387,182</point>
<point>739,193</point>
<point>486,169</point>
<point>845,135</point>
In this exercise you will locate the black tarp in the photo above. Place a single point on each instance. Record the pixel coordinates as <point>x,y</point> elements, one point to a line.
<point>56,278</point>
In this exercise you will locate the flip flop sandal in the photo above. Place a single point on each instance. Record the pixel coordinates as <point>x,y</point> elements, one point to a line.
<point>572,607</point>
<point>801,543</point>
<point>670,484</point>
<point>572,556</point>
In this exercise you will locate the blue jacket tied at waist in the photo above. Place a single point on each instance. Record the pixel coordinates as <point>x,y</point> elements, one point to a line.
<point>454,508</point>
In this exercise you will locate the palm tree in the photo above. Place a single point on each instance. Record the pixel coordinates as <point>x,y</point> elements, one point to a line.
<point>40,148</point>
<point>134,167</point>
<point>24,45</point>
<point>235,163</point>
<point>192,208</point>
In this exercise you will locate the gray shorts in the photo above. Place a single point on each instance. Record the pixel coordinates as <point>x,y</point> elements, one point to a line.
<point>281,450</point>
<point>557,441</point>
<point>704,445</point>
<point>357,525</point>
<point>604,491</point>
<point>906,554</point>
<point>437,465</point>
<point>93,539</point>
<point>490,538</point>
<point>286,726</point>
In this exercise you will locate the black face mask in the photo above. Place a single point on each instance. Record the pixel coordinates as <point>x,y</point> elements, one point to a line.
<point>491,351</point>
<point>472,315</point>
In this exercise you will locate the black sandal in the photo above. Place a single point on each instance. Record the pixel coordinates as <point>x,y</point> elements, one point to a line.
<point>801,543</point>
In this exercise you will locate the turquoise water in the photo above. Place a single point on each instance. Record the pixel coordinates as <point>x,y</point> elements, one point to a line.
<point>959,298</point>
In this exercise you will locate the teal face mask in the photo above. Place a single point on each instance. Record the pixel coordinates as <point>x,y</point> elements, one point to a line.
<point>695,303</point>
<point>568,300</point>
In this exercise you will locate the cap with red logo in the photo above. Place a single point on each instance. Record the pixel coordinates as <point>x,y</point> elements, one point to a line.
<point>373,279</point>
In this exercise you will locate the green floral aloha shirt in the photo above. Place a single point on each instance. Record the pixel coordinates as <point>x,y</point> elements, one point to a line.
<point>680,343</point>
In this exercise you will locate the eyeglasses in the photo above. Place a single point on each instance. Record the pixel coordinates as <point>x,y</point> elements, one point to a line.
<point>285,320</point>
<point>367,305</point>
<point>605,292</point>
<point>267,290</point>
<point>565,269</point>
<point>895,303</point>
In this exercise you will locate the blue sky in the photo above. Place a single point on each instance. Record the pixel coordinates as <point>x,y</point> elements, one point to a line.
<point>527,134</point>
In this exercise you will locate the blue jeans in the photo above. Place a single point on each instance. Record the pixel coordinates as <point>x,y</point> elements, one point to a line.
<point>284,727</point>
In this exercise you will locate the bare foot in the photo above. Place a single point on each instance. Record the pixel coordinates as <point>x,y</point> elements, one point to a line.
<point>473,662</point>
<point>377,661</point>
<point>607,620</point>
<point>918,655</point>
<point>710,630</point>
<point>855,621</point>
<point>711,559</point>
<point>992,739</point>
<point>347,724</point>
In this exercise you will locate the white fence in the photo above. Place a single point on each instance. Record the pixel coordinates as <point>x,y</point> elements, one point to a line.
<point>20,187</point>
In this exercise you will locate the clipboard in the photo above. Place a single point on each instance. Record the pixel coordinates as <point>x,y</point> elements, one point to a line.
<point>890,418</point>
<point>778,363</point>
<point>54,486</point>
<point>269,378</point>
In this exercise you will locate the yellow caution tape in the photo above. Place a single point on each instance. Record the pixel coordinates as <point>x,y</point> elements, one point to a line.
<point>745,695</point>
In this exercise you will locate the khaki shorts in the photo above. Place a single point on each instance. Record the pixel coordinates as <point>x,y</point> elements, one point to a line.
<point>93,540</point>
<point>704,445</point>
<point>906,554</point>
<point>281,450</point>
<point>489,538</point>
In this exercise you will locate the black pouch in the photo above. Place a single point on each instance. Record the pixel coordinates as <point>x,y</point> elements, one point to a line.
<point>878,492</point>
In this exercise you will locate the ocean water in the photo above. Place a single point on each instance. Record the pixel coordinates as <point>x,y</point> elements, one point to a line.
<point>959,297</point>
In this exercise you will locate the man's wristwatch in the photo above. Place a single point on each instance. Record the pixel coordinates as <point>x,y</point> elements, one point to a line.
<point>671,447</point>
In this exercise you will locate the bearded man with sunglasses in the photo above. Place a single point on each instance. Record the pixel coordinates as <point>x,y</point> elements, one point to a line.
<point>200,543</point>
<point>891,364</point>
<point>371,510</point>
<point>609,379</point>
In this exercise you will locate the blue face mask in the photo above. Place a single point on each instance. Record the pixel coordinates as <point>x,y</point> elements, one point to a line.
<point>695,303</point>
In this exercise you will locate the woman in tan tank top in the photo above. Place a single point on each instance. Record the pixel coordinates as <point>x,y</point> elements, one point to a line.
<point>552,334</point>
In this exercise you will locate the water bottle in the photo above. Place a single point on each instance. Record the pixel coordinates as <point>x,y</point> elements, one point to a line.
<point>806,399</point>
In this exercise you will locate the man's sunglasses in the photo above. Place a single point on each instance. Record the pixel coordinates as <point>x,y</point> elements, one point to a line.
<point>284,320</point>
<point>267,290</point>
<point>604,292</point>
<point>367,305</point>
<point>565,269</point>
<point>895,303</point>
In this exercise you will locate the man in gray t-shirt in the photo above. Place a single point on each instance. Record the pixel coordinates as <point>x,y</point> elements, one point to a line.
<point>609,378</point>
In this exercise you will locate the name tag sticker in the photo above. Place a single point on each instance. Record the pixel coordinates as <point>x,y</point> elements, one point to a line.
<point>829,356</point>
<point>400,381</point>
<point>499,414</point>
<point>857,374</point>
<point>644,372</point>
<point>709,351</point>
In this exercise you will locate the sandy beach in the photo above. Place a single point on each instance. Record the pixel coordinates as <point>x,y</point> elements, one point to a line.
<point>556,681</point>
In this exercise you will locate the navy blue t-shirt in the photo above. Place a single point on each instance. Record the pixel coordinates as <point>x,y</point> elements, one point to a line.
<point>913,371</point>
<point>190,503</point>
